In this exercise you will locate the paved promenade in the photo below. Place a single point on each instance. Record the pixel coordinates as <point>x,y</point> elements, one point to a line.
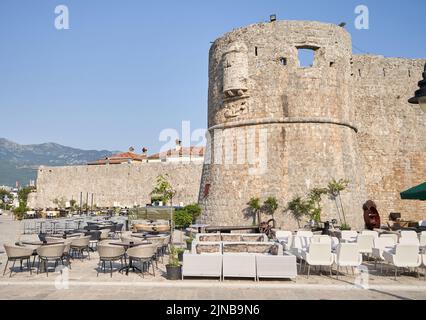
<point>81,282</point>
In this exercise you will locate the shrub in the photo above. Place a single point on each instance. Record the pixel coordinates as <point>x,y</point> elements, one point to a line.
<point>194,210</point>
<point>189,240</point>
<point>182,218</point>
<point>173,257</point>
<point>19,212</point>
<point>345,227</point>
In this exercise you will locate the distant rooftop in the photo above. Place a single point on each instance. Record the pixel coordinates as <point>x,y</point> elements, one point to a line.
<point>177,153</point>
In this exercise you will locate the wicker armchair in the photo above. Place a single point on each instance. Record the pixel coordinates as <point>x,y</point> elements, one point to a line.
<point>79,245</point>
<point>49,253</point>
<point>17,253</point>
<point>143,254</point>
<point>108,253</point>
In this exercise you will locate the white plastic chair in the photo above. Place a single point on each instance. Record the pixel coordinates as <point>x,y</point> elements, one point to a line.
<point>334,243</point>
<point>299,246</point>
<point>380,245</point>
<point>319,254</point>
<point>365,243</point>
<point>406,256</point>
<point>373,233</point>
<point>285,238</point>
<point>304,233</point>
<point>422,238</point>
<point>321,239</point>
<point>409,240</point>
<point>390,235</point>
<point>347,255</point>
<point>424,263</point>
<point>408,234</point>
<point>349,236</point>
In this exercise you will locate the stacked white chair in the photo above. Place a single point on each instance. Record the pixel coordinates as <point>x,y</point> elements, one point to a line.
<point>300,244</point>
<point>410,240</point>
<point>393,236</point>
<point>285,238</point>
<point>319,254</point>
<point>349,236</point>
<point>334,243</point>
<point>366,243</point>
<point>373,233</point>
<point>408,234</point>
<point>405,256</point>
<point>321,239</point>
<point>382,244</point>
<point>347,255</point>
<point>422,238</point>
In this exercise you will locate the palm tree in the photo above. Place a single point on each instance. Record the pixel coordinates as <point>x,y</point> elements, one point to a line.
<point>254,206</point>
<point>299,208</point>
<point>334,189</point>
<point>270,206</point>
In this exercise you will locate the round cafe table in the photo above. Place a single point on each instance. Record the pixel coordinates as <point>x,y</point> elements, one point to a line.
<point>129,244</point>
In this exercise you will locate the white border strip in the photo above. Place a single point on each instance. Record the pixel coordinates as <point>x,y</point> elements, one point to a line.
<point>221,285</point>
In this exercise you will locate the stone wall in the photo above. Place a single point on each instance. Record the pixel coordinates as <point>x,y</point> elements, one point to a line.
<point>345,117</point>
<point>392,132</point>
<point>277,129</point>
<point>126,184</point>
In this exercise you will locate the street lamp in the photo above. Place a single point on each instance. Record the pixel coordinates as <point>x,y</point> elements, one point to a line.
<point>420,95</point>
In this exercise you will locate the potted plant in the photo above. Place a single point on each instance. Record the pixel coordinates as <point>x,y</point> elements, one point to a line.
<point>189,243</point>
<point>345,227</point>
<point>174,268</point>
<point>180,252</point>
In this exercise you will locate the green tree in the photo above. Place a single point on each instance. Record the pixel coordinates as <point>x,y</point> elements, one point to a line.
<point>299,208</point>
<point>23,196</point>
<point>335,187</point>
<point>315,196</point>
<point>254,209</point>
<point>164,189</point>
<point>270,206</point>
<point>60,202</point>
<point>73,205</point>
<point>182,218</point>
<point>4,194</point>
<point>194,210</point>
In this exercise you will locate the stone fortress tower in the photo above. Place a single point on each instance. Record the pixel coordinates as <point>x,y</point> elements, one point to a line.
<point>279,129</point>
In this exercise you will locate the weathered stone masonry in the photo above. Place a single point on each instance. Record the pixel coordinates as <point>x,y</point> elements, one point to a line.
<point>125,184</point>
<point>279,130</point>
<point>345,117</point>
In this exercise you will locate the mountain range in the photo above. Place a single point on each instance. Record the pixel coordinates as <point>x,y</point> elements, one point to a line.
<point>20,162</point>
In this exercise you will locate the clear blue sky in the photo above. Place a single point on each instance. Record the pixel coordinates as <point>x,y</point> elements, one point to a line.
<point>128,69</point>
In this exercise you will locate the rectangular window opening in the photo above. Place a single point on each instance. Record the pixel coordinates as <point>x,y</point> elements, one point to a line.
<point>306,57</point>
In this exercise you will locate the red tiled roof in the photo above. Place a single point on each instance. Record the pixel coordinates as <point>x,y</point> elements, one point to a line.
<point>119,158</point>
<point>182,152</point>
<point>127,155</point>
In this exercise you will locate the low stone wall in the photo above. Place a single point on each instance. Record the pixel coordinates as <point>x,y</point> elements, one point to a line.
<point>126,184</point>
